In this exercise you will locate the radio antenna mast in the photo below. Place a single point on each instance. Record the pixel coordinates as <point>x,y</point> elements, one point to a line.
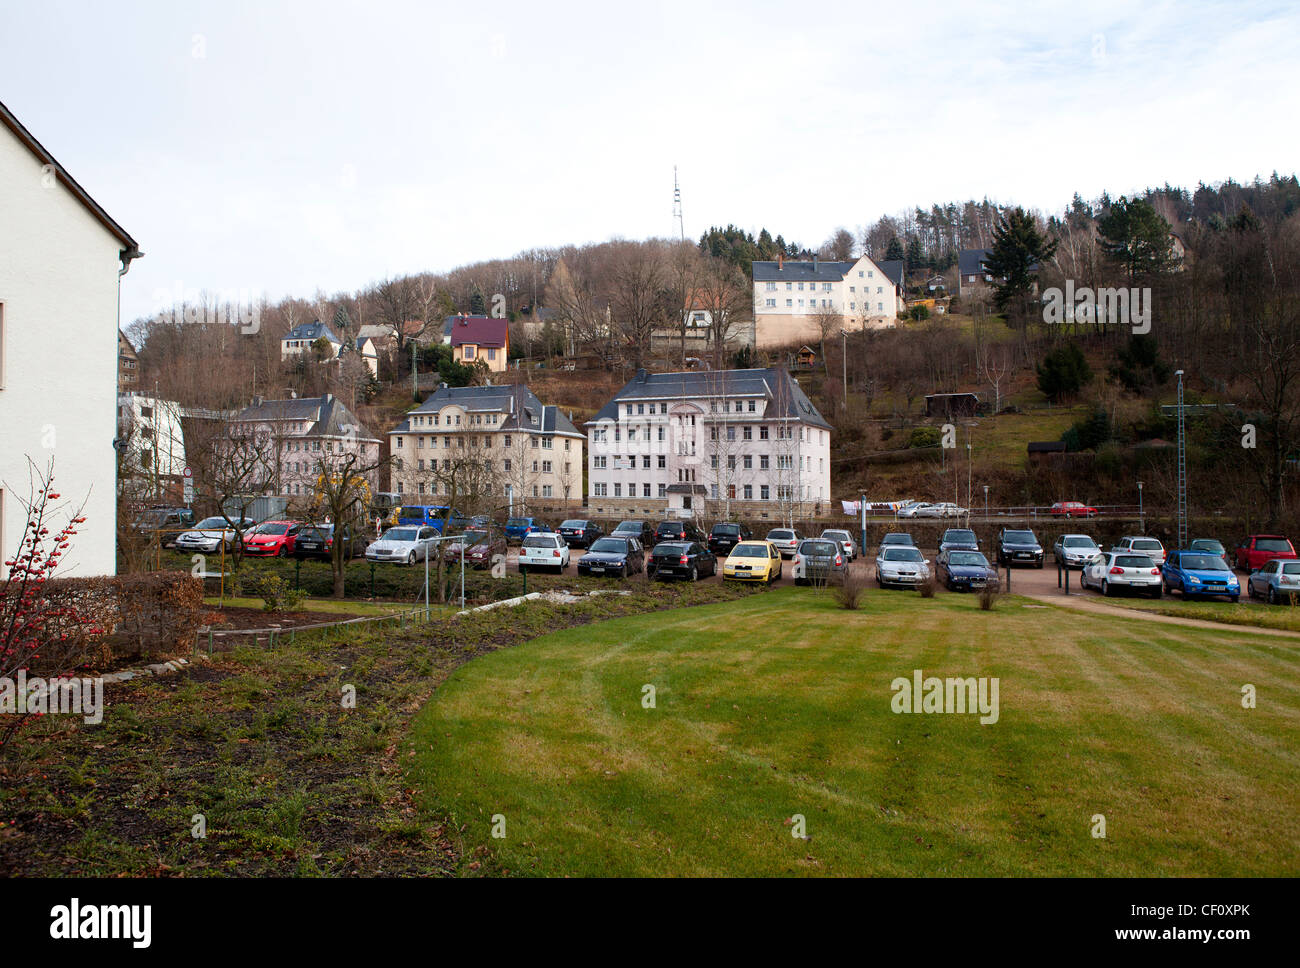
<point>677,206</point>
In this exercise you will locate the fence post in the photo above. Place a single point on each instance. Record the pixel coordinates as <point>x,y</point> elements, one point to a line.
<point>372,581</point>
<point>297,569</point>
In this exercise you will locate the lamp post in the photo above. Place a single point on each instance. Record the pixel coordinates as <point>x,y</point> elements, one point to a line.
<point>986,502</point>
<point>844,361</point>
<point>1141,516</point>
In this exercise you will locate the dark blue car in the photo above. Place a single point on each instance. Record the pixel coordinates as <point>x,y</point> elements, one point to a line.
<point>517,529</point>
<point>964,570</point>
<point>1199,573</point>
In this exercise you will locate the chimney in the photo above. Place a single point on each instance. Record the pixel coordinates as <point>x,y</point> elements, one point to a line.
<point>814,263</point>
<point>780,262</point>
<point>642,376</point>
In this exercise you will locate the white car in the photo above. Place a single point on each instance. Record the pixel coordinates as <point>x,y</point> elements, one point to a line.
<point>1075,550</point>
<point>208,534</point>
<point>1111,571</point>
<point>902,566</point>
<point>544,549</point>
<point>845,539</point>
<point>786,541</point>
<point>404,545</point>
<point>1141,545</point>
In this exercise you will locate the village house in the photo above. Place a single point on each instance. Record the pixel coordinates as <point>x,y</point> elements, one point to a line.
<point>474,338</point>
<point>62,259</point>
<point>794,302</point>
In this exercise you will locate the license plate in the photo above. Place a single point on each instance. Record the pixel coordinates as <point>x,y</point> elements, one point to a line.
<point>1023,554</point>
<point>596,569</point>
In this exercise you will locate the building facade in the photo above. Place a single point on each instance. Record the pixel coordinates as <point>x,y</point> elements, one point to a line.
<point>151,437</point>
<point>487,448</point>
<point>478,338</point>
<point>128,365</point>
<point>62,258</point>
<point>794,302</point>
<point>709,444</point>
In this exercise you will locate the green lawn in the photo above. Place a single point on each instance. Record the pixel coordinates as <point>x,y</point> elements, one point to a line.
<point>330,606</point>
<point>779,704</point>
<point>1284,617</point>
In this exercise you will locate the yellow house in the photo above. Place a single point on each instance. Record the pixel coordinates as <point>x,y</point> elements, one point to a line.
<point>474,338</point>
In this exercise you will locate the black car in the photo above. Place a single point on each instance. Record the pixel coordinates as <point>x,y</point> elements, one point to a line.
<point>678,531</point>
<point>640,530</point>
<point>580,532</point>
<point>726,536</point>
<point>1017,546</point>
<point>681,559</point>
<point>959,539</point>
<point>613,556</point>
<point>165,522</point>
<point>317,541</point>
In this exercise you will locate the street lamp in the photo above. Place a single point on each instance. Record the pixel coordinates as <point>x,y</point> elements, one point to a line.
<point>844,361</point>
<point>986,501</point>
<point>1141,517</point>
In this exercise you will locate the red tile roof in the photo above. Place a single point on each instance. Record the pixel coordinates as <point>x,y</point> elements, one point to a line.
<point>481,330</point>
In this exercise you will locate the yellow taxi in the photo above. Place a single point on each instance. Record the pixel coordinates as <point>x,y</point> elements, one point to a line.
<point>753,561</point>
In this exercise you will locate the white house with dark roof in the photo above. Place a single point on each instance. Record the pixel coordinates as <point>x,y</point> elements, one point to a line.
<point>793,300</point>
<point>302,339</point>
<point>301,436</point>
<point>530,452</point>
<point>708,443</point>
<point>62,258</point>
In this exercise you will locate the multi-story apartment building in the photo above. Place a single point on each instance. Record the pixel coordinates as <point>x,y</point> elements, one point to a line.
<point>711,443</point>
<point>128,365</point>
<point>282,447</point>
<point>151,438</point>
<point>795,301</point>
<point>486,448</point>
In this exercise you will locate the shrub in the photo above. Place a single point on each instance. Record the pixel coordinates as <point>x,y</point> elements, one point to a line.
<point>926,588</point>
<point>989,595</point>
<point>278,595</point>
<point>850,589</point>
<point>1063,372</point>
<point>159,610</point>
<point>924,437</point>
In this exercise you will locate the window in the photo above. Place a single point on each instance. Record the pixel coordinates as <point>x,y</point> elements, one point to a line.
<point>748,433</point>
<point>534,467</point>
<point>618,490</point>
<point>713,491</point>
<point>713,461</point>
<point>506,464</point>
<point>789,302</point>
<point>749,492</point>
<point>731,462</point>
<point>420,464</point>
<point>749,462</point>
<point>645,464</point>
<point>764,492</point>
<point>663,433</point>
<point>599,463</point>
<point>762,432</point>
<point>731,433</point>
<point>546,490</point>
<point>763,460</point>
<point>663,462</point>
<point>507,440</point>
<point>771,287</point>
<point>788,287</point>
<point>492,353</point>
<point>468,351</point>
<point>663,490</point>
<point>546,467</point>
<point>600,489</point>
<point>770,303</point>
<point>645,490</point>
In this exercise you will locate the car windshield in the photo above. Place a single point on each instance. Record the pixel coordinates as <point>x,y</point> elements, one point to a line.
<point>628,527</point>
<point>726,529</point>
<point>411,512</point>
<point>1205,544</point>
<point>318,531</point>
<point>749,551</point>
<point>614,545</point>
<point>902,554</point>
<point>972,558</point>
<point>897,539</point>
<point>579,525</point>
<point>539,541</point>
<point>1019,537</point>
<point>1272,544</point>
<point>401,534</point>
<point>1204,563</point>
<point>1134,561</point>
<point>472,537</point>
<point>836,535</point>
<point>959,536</point>
<point>1078,541</point>
<point>517,523</point>
<point>269,528</point>
<point>1146,544</point>
<point>671,548</point>
<point>780,535</point>
<point>820,548</point>
<point>212,523</point>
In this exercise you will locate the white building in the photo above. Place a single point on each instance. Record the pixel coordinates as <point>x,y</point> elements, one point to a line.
<point>61,259</point>
<point>151,432</point>
<point>794,301</point>
<point>302,339</point>
<point>709,443</point>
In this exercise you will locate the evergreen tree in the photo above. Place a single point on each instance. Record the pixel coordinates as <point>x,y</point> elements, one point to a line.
<point>895,251</point>
<point>1063,372</point>
<point>1018,248</point>
<point>477,304</point>
<point>1134,235</point>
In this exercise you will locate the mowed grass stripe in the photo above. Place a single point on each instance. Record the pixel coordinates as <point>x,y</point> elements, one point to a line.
<point>780,704</point>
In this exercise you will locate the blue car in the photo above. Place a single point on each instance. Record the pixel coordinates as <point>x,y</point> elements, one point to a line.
<point>519,528</point>
<point>1195,573</point>
<point>964,570</point>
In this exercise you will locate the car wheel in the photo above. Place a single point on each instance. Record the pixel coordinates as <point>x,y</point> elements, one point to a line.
<point>1272,595</point>
<point>1105,588</point>
<point>410,559</point>
<point>695,574</point>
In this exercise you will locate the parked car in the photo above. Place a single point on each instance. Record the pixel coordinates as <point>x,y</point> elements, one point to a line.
<point>485,551</point>
<point>482,522</point>
<point>963,570</point>
<point>1210,546</point>
<point>786,541</point>
<point>1199,573</point>
<point>211,533</point>
<point>678,531</point>
<point>726,535</point>
<point>1142,545</point>
<point>1112,571</point>
<point>421,514</point>
<point>944,510</point>
<point>317,541</point>
<point>404,545</point>
<point>466,539</point>
<point>818,560</point>
<point>1018,546</point>
<point>899,539</point>
<point>1277,581</point>
<point>519,528</point>
<point>613,556</point>
<point>543,549</point>
<point>753,561</point>
<point>902,566</point>
<point>272,538</point>
<point>1074,550</point>
<point>681,559</point>
<point>580,532</point>
<point>165,522</point>
<point>912,509</point>
<point>1256,549</point>
<point>844,539</point>
<point>1073,509</point>
<point>962,539</point>
<point>640,530</point>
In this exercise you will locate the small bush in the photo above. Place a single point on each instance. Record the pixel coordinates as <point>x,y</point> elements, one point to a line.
<point>926,588</point>
<point>278,595</point>
<point>989,595</point>
<point>850,589</point>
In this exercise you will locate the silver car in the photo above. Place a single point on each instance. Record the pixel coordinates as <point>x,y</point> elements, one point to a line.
<point>403,545</point>
<point>818,560</point>
<point>786,541</point>
<point>901,566</point>
<point>845,539</point>
<point>1074,550</point>
<point>210,533</point>
<point>945,510</point>
<point>1277,582</point>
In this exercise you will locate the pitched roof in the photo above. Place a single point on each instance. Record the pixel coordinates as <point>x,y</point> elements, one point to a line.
<point>970,262</point>
<point>312,331</point>
<point>524,412</point>
<point>328,416</point>
<point>818,270</point>
<point>893,268</point>
<point>481,330</point>
<point>787,399</point>
<point>130,249</point>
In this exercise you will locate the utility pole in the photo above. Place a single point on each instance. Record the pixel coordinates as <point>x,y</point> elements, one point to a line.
<point>415,383</point>
<point>1182,468</point>
<point>844,380</point>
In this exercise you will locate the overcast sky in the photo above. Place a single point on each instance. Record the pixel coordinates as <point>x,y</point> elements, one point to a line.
<point>281,148</point>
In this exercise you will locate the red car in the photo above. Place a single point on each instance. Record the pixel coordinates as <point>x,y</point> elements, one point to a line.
<point>272,539</point>
<point>1256,549</point>
<point>1073,509</point>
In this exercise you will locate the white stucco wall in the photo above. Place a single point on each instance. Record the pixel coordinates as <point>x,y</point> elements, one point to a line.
<point>58,397</point>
